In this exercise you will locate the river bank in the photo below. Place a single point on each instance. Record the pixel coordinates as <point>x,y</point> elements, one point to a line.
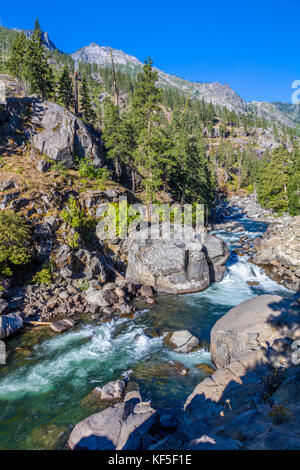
<point>47,380</point>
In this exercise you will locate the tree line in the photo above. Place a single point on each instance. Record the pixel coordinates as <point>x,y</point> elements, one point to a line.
<point>161,134</point>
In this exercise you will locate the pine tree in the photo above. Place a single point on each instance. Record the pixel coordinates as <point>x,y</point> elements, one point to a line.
<point>147,98</point>
<point>151,138</point>
<point>65,88</point>
<point>117,136</point>
<point>86,106</point>
<point>190,174</point>
<point>16,62</point>
<point>38,71</point>
<point>273,180</point>
<point>293,188</point>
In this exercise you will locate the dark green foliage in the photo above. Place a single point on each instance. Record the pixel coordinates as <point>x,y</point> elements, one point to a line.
<point>16,64</point>
<point>85,101</point>
<point>118,136</point>
<point>274,175</point>
<point>293,187</point>
<point>38,71</point>
<point>65,88</point>
<point>14,242</point>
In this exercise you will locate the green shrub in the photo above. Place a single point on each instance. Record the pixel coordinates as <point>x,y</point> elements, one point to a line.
<point>44,276</point>
<point>59,167</point>
<point>87,169</point>
<point>72,214</point>
<point>84,286</point>
<point>14,241</point>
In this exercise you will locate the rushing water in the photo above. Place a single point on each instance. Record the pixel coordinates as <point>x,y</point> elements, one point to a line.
<point>45,384</point>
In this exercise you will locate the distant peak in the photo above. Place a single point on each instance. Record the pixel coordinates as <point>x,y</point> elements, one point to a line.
<point>94,44</point>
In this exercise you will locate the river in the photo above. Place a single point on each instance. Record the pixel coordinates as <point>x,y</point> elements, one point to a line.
<point>44,385</point>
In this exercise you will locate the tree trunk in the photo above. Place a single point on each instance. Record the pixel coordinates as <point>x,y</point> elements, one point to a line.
<point>133,181</point>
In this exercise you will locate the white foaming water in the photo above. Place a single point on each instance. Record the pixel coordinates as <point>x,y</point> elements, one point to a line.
<point>191,359</point>
<point>60,359</point>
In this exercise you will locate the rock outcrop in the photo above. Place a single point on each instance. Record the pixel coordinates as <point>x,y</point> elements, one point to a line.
<point>252,325</point>
<point>253,396</point>
<point>279,252</point>
<point>173,266</point>
<point>124,426</point>
<point>54,131</point>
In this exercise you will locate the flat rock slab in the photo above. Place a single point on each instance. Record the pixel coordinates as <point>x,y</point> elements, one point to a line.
<point>182,341</point>
<point>253,324</point>
<point>122,426</point>
<point>62,325</point>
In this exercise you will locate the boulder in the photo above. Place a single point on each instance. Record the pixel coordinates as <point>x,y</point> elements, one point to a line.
<point>42,237</point>
<point>182,341</point>
<point>168,265</point>
<point>113,390</point>
<point>7,184</point>
<point>124,426</point>
<point>3,306</point>
<point>101,298</point>
<point>62,325</point>
<point>57,132</point>
<point>175,265</point>
<point>252,325</point>
<point>43,166</point>
<point>10,324</point>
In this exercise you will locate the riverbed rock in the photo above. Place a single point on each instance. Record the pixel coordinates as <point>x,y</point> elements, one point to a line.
<point>205,368</point>
<point>182,341</point>
<point>10,324</point>
<point>172,265</point>
<point>279,251</point>
<point>124,426</point>
<point>113,390</point>
<point>62,325</point>
<point>101,298</point>
<point>251,325</point>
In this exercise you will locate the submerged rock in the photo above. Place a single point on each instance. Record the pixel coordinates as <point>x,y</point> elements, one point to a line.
<point>205,368</point>
<point>182,341</point>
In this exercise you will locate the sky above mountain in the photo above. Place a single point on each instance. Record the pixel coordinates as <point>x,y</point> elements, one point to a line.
<point>251,45</point>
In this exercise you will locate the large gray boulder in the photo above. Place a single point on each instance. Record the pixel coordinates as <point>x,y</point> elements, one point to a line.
<point>101,298</point>
<point>174,265</point>
<point>55,131</point>
<point>10,324</point>
<point>123,426</point>
<point>254,324</point>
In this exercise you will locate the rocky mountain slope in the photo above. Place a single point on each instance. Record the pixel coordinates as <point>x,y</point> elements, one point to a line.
<point>219,94</point>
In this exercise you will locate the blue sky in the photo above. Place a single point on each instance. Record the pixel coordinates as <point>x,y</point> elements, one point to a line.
<point>251,45</point>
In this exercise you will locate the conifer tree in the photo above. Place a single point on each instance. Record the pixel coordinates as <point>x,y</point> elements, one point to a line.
<point>293,188</point>
<point>150,136</point>
<point>16,62</point>
<point>86,106</point>
<point>273,180</point>
<point>65,88</point>
<point>117,136</point>
<point>38,71</point>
